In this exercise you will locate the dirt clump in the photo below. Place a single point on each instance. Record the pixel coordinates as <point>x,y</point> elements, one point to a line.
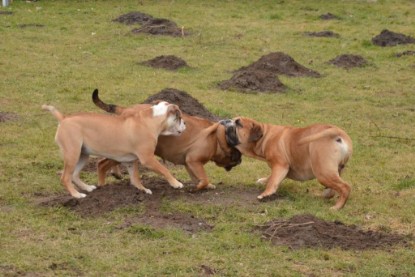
<point>133,18</point>
<point>348,61</point>
<point>161,26</point>
<point>4,117</point>
<point>328,16</point>
<point>308,231</point>
<point>322,34</point>
<point>6,13</point>
<point>31,25</point>
<point>406,53</point>
<point>280,64</point>
<point>251,80</point>
<point>169,62</point>
<point>186,103</point>
<point>388,38</point>
<point>262,75</point>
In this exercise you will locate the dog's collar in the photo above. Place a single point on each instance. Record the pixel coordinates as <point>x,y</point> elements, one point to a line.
<point>230,133</point>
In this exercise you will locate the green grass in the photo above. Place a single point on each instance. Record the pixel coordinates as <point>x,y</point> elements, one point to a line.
<point>80,49</point>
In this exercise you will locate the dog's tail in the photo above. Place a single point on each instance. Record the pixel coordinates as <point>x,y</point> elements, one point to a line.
<point>54,112</point>
<point>110,108</point>
<point>330,132</point>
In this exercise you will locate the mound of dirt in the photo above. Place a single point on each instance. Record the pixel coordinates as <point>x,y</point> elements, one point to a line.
<point>8,116</point>
<point>251,80</point>
<point>186,103</point>
<point>322,34</point>
<point>388,38</point>
<point>31,25</point>
<point>307,231</point>
<point>280,63</point>
<point>406,53</point>
<point>161,26</point>
<point>133,18</point>
<point>328,16</point>
<point>348,61</point>
<point>169,62</point>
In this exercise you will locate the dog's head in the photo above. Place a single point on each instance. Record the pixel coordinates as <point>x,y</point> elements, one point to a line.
<point>174,124</point>
<point>242,132</point>
<point>227,156</point>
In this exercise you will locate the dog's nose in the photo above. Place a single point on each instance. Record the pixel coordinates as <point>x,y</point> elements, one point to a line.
<point>225,122</point>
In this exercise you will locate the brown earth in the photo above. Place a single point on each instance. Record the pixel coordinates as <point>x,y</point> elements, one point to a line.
<point>348,61</point>
<point>322,34</point>
<point>406,53</point>
<point>308,231</point>
<point>328,16</point>
<point>262,75</point>
<point>169,62</point>
<point>8,116</point>
<point>161,26</point>
<point>186,102</point>
<point>388,38</point>
<point>133,18</point>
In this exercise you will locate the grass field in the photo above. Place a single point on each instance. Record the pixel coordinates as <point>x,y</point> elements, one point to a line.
<point>58,52</point>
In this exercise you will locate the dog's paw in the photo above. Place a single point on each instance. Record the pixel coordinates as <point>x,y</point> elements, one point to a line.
<point>177,185</point>
<point>262,181</point>
<point>148,191</point>
<point>90,188</point>
<point>79,195</point>
<point>260,197</point>
<point>211,186</point>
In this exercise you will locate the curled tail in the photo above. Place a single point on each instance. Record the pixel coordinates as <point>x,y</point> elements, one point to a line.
<point>54,112</point>
<point>110,108</point>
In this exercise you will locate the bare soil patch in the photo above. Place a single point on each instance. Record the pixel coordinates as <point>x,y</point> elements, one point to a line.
<point>389,38</point>
<point>348,61</point>
<point>328,16</point>
<point>161,26</point>
<point>308,231</point>
<point>251,80</point>
<point>406,53</point>
<point>280,64</point>
<point>328,34</point>
<point>169,62</point>
<point>6,13</point>
<point>186,102</point>
<point>4,117</point>
<point>261,76</point>
<point>133,18</point>
<point>31,25</point>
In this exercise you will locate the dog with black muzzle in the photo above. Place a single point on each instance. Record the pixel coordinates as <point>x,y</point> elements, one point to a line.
<point>317,151</point>
<point>201,142</point>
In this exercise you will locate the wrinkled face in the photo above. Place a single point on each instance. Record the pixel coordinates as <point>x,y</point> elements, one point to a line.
<point>174,124</point>
<point>230,160</point>
<point>242,131</point>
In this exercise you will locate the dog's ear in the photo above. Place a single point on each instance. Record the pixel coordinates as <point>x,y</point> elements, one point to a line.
<point>238,123</point>
<point>174,109</point>
<point>155,102</point>
<point>256,133</point>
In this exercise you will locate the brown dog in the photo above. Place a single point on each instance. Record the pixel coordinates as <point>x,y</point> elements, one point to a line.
<point>202,141</point>
<point>122,138</point>
<point>317,151</point>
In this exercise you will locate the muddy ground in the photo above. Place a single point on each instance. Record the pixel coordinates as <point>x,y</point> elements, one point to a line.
<point>4,117</point>
<point>151,25</point>
<point>262,75</point>
<point>327,34</point>
<point>169,62</point>
<point>348,61</point>
<point>389,38</point>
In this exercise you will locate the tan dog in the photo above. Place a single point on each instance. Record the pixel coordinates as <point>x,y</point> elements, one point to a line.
<point>201,142</point>
<point>122,138</point>
<point>317,151</point>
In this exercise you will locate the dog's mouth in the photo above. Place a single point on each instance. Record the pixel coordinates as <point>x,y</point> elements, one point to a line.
<point>230,132</point>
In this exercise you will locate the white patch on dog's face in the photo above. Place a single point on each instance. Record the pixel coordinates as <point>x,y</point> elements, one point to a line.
<point>160,108</point>
<point>175,126</point>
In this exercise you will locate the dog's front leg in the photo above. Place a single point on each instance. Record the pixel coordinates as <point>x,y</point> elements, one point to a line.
<point>196,168</point>
<point>278,173</point>
<point>153,164</point>
<point>135,177</point>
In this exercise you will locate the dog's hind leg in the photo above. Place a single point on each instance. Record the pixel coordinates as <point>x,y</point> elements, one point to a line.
<point>135,177</point>
<point>68,170</point>
<point>336,183</point>
<point>83,159</point>
<point>103,166</point>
